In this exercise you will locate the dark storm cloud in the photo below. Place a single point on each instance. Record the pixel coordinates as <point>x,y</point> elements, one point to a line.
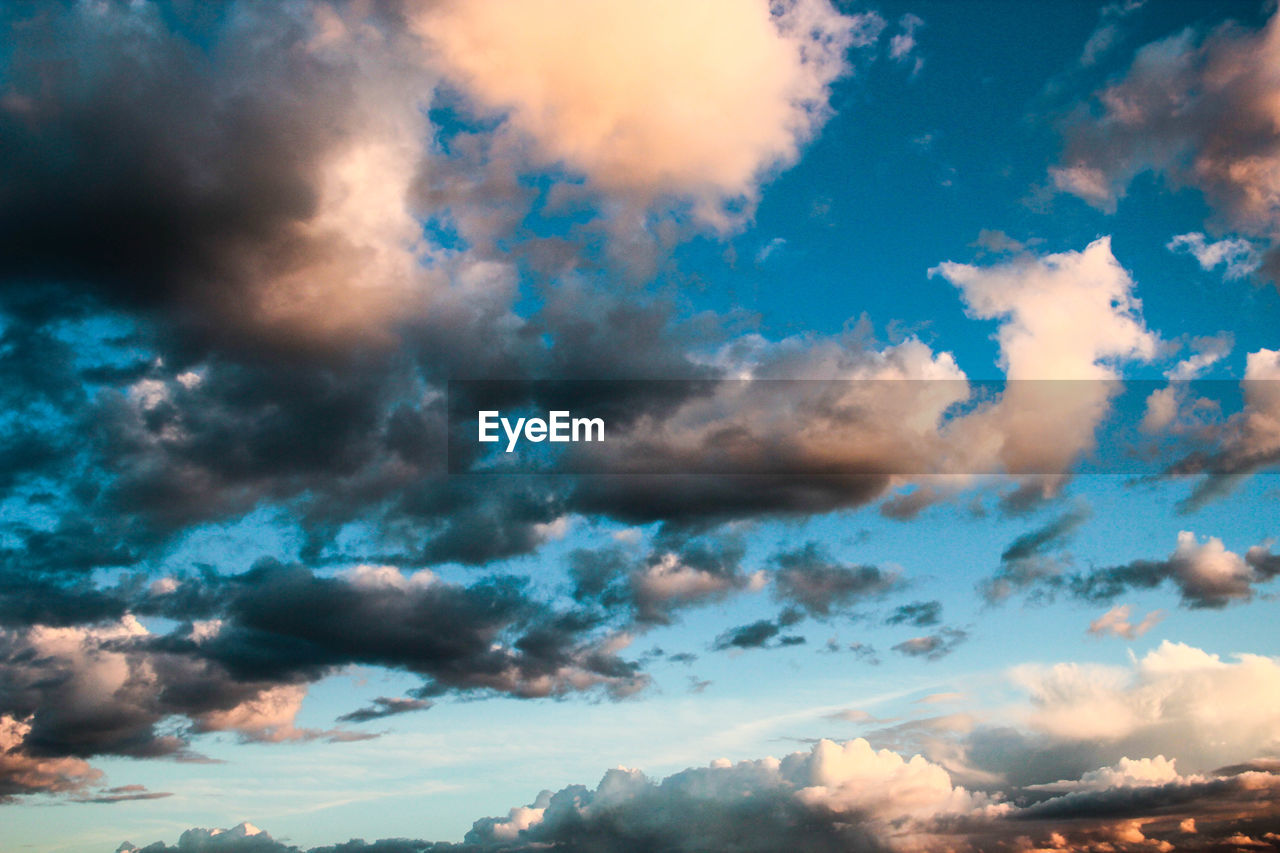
<point>166,160</point>
<point>198,174</point>
<point>283,622</point>
<point>707,500</point>
<point>253,642</point>
<point>810,578</point>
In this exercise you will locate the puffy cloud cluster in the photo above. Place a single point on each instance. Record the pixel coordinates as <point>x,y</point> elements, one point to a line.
<point>693,104</point>
<point>1205,574</point>
<point>242,187</point>
<point>1067,320</point>
<point>1159,755</point>
<point>247,647</point>
<point>1203,111</point>
<point>1175,701</point>
<point>842,797</point>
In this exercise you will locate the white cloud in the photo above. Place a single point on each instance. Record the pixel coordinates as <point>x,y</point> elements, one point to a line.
<point>902,44</point>
<point>1126,773</point>
<point>697,101</point>
<point>1176,701</point>
<point>1064,316</point>
<point>1238,255</point>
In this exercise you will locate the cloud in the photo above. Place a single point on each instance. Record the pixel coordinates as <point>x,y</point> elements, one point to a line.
<point>903,43</point>
<point>1126,773</point>
<point>809,578</point>
<point>668,583</point>
<point>834,797</point>
<point>1108,31</point>
<point>242,653</point>
<point>1176,701</point>
<point>1024,564</point>
<point>1115,622</point>
<point>841,797</point>
<point>1248,441</point>
<point>692,104</point>
<point>1199,109</point>
<point>122,794</point>
<point>1239,256</point>
<point>996,242</point>
<point>919,613</point>
<point>1052,534</point>
<point>757,635</point>
<point>21,773</point>
<point>1205,574</point>
<point>1065,316</point>
<point>384,706</point>
<point>240,189</point>
<point>933,646</point>
<point>655,587</point>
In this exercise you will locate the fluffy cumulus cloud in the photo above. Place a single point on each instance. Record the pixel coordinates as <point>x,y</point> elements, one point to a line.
<point>1202,110</point>
<point>1068,320</point>
<point>850,796</point>
<point>1176,701</point>
<point>692,103</point>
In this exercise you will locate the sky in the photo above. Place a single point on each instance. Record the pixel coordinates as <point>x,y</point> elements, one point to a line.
<point>936,346</point>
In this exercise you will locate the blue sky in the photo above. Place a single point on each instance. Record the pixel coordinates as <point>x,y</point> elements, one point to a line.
<point>243,251</point>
